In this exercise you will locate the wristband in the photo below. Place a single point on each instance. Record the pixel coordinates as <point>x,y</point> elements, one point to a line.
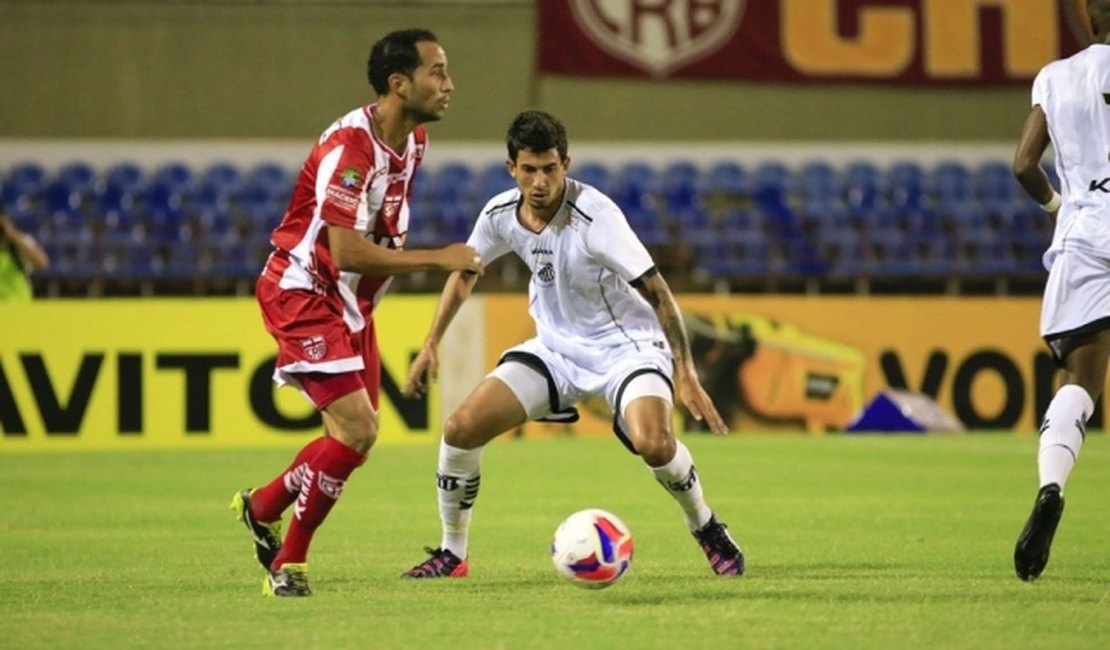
<point>1054,203</point>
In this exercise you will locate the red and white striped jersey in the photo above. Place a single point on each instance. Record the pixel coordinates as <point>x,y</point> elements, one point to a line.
<point>353,180</point>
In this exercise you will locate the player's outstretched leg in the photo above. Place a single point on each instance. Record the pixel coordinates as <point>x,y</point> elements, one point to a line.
<point>458,478</point>
<point>266,535</point>
<point>1031,551</point>
<point>680,479</point>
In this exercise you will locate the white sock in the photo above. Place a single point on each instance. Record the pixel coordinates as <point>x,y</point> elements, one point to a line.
<point>680,479</point>
<point>457,481</point>
<point>1065,425</point>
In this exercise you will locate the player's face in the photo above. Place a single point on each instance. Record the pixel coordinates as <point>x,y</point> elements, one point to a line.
<point>429,91</point>
<point>540,177</point>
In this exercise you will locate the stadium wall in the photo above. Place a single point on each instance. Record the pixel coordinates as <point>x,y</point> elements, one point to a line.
<point>196,373</point>
<point>193,70</point>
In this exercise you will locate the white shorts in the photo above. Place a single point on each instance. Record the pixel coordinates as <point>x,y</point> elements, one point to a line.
<point>548,385</point>
<point>1076,297</point>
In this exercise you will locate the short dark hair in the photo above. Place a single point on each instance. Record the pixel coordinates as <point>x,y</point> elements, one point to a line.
<point>395,52</point>
<point>536,131</point>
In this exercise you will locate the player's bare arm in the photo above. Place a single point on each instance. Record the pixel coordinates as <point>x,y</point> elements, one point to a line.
<point>1027,159</point>
<point>425,367</point>
<point>655,290</point>
<point>352,252</point>
<point>26,246</point>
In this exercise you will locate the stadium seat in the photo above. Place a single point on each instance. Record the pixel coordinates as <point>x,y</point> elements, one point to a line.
<point>593,173</point>
<point>175,177</point>
<point>817,180</point>
<point>78,176</point>
<point>22,184</point>
<point>680,185</point>
<point>906,185</point>
<point>863,184</point>
<point>124,177</point>
<point>770,184</point>
<point>635,186</point>
<point>493,180</point>
<point>727,178</point>
<point>455,182</point>
<point>950,182</point>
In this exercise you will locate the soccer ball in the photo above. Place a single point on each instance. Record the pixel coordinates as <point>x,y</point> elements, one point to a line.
<point>593,548</point>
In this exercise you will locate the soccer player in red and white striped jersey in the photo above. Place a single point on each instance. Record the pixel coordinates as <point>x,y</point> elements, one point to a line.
<point>335,251</point>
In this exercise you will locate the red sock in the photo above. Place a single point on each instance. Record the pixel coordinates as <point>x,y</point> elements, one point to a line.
<point>323,483</point>
<point>270,500</point>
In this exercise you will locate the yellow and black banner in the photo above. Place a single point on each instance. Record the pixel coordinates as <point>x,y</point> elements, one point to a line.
<point>176,372</point>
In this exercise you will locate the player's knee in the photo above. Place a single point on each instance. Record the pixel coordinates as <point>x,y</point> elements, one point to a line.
<point>359,432</point>
<point>460,430</point>
<point>655,444</point>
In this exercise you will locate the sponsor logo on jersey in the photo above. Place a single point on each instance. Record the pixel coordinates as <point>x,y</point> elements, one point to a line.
<point>315,347</point>
<point>350,177</point>
<point>1101,185</point>
<point>341,196</point>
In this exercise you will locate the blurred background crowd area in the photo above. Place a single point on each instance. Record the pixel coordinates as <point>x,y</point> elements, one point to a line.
<point>814,227</point>
<point>943,83</point>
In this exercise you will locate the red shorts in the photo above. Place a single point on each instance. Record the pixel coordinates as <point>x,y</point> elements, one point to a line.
<point>314,342</point>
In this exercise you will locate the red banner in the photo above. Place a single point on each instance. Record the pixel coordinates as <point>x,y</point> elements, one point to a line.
<point>923,42</point>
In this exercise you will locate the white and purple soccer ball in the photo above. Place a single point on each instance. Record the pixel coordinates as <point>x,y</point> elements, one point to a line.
<point>593,548</point>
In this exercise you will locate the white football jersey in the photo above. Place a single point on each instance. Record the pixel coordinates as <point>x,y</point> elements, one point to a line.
<point>1074,94</point>
<point>582,265</point>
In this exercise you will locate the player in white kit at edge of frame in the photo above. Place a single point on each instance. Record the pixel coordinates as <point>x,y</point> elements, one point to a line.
<point>1071,110</point>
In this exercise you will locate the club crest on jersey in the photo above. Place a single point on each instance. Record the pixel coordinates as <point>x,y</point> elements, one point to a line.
<point>546,274</point>
<point>315,347</point>
<point>350,177</point>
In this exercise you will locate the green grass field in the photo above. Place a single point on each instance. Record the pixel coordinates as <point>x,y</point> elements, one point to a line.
<point>851,542</point>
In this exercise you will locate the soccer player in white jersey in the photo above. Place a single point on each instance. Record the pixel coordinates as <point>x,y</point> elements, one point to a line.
<point>607,325</point>
<point>335,250</point>
<point>1071,109</point>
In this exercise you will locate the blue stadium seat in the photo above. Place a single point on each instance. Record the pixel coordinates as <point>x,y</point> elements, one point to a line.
<point>493,180</point>
<point>817,180</point>
<point>727,178</point>
<point>126,177</point>
<point>906,183</point>
<point>57,195</point>
<point>593,173</point>
<point>454,183</point>
<point>950,182</point>
<point>222,176</point>
<point>770,184</point>
<point>182,261</point>
<point>635,186</point>
<point>648,225</point>
<point>22,184</point>
<point>862,184</point>
<point>80,177</point>
<point>230,260</point>
<point>456,222</point>
<point>175,177</point>
<point>109,197</point>
<point>994,183</point>
<point>680,185</point>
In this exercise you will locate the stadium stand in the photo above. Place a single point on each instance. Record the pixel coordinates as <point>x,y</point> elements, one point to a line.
<point>861,227</point>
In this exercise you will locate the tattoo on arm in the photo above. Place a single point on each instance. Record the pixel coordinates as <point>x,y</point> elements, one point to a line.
<point>659,296</point>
